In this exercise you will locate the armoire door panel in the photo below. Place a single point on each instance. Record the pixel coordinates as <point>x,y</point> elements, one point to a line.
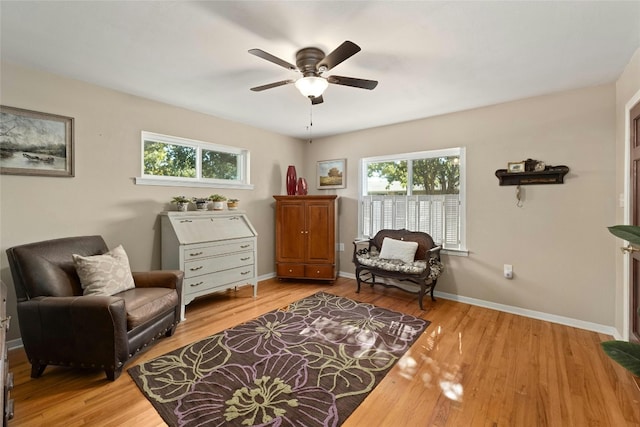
<point>290,228</point>
<point>320,245</point>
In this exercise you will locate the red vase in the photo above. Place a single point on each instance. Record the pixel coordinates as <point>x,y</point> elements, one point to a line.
<point>292,179</point>
<point>302,187</point>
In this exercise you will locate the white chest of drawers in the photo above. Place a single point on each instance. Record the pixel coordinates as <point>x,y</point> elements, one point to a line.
<point>216,251</point>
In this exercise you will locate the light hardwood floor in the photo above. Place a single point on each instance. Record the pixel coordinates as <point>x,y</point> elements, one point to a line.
<point>471,367</point>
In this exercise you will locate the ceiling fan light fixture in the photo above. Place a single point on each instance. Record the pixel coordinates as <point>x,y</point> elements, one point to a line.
<point>311,86</point>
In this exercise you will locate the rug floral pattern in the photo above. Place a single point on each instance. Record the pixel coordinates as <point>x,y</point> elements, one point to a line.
<point>309,364</point>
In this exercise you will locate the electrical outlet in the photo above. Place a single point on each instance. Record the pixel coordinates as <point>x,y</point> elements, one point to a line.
<point>508,271</point>
<point>340,247</point>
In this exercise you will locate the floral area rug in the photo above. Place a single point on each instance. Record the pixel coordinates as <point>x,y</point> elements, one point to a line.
<point>309,364</point>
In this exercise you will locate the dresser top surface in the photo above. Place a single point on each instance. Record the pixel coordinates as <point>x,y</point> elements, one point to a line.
<point>206,226</point>
<point>179,214</point>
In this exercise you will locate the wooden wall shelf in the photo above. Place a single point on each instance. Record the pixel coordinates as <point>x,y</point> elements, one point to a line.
<point>551,175</point>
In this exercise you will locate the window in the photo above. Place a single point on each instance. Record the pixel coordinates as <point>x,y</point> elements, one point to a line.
<point>173,161</point>
<point>418,191</point>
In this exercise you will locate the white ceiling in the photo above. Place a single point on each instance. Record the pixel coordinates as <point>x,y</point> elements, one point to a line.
<point>430,58</point>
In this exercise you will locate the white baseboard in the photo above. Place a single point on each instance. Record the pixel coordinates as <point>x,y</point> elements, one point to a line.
<point>13,344</point>
<point>266,276</point>
<point>553,318</point>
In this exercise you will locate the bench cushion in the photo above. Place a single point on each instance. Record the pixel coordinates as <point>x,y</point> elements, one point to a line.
<point>372,259</point>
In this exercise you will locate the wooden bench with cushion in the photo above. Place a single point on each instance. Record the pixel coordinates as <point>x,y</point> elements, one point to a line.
<point>410,259</point>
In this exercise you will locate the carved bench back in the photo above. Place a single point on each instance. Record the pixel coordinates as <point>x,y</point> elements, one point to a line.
<point>425,242</point>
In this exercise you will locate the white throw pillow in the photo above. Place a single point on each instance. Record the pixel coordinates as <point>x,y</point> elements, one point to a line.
<point>105,274</point>
<point>398,249</point>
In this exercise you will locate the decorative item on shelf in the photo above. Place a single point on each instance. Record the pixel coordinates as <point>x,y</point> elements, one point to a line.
<point>292,179</point>
<point>232,204</point>
<point>201,203</point>
<point>539,167</point>
<point>182,202</point>
<point>529,172</point>
<point>530,165</point>
<point>515,167</point>
<point>218,201</point>
<point>302,188</point>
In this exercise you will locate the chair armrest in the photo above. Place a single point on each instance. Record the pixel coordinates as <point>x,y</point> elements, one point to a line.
<point>68,312</point>
<point>80,327</point>
<point>158,279</point>
<point>435,249</point>
<point>357,243</point>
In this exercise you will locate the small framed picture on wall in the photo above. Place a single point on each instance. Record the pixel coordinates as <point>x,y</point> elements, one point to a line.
<point>331,174</point>
<point>35,143</point>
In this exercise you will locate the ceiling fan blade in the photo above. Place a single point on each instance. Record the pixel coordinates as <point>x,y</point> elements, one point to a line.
<point>343,52</point>
<point>351,81</point>
<point>265,55</point>
<point>316,100</point>
<point>271,85</point>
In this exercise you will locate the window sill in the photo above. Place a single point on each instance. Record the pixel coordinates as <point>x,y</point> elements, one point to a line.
<point>139,180</point>
<point>455,252</point>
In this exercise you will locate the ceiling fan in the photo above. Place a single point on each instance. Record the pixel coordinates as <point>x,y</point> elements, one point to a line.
<point>311,62</point>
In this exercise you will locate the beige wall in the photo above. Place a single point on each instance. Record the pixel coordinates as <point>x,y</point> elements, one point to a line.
<point>102,198</point>
<point>563,257</point>
<point>627,89</point>
<point>561,252</point>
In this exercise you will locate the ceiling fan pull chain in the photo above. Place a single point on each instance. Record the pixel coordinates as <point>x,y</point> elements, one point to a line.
<point>310,123</point>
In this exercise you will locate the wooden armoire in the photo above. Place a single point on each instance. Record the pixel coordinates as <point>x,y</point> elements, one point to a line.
<point>306,235</point>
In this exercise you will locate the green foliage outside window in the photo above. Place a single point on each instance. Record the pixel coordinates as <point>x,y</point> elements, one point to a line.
<point>169,160</point>
<point>175,161</point>
<point>437,175</point>
<point>219,165</point>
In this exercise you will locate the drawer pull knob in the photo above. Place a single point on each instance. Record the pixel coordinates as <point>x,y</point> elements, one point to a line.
<point>318,272</point>
<point>196,253</point>
<point>193,285</point>
<point>245,258</point>
<point>196,268</point>
<point>290,271</point>
<point>186,220</point>
<point>245,272</point>
<point>244,246</point>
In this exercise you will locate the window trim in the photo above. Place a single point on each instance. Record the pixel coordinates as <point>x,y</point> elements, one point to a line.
<point>170,181</point>
<point>446,152</point>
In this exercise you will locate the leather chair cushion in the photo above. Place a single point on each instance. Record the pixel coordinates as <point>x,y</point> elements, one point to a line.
<point>143,304</point>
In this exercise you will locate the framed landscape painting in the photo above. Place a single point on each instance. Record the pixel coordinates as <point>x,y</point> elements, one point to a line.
<point>34,143</point>
<point>332,174</point>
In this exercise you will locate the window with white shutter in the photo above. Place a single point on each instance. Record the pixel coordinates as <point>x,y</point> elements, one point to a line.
<point>418,191</point>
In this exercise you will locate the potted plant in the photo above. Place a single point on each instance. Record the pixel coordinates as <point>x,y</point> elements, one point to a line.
<point>182,202</point>
<point>218,201</point>
<point>202,203</point>
<point>232,204</point>
<point>627,354</point>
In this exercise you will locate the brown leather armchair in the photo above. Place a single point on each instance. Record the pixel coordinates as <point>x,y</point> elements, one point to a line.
<point>60,326</point>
